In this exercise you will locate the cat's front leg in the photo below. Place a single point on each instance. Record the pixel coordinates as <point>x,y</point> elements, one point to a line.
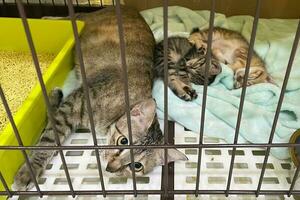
<point>38,161</point>
<point>181,89</point>
<point>40,158</point>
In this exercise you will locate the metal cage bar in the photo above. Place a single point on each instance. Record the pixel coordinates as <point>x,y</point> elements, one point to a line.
<point>243,94</point>
<point>169,146</point>
<point>126,88</point>
<point>281,97</point>
<point>18,138</point>
<point>152,192</point>
<point>204,97</point>
<point>166,191</point>
<point>44,91</point>
<point>294,181</point>
<point>165,180</point>
<point>86,91</point>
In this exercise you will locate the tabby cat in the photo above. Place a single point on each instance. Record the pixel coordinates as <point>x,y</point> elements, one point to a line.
<point>101,52</point>
<point>231,48</point>
<point>186,65</point>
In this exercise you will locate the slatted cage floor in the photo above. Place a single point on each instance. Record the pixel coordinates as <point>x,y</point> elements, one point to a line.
<point>214,171</point>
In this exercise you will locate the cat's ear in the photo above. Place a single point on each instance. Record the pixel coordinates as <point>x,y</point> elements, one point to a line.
<point>143,114</point>
<point>269,79</point>
<point>173,155</point>
<point>194,30</point>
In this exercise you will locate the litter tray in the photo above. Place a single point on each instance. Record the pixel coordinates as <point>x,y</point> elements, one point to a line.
<point>49,36</point>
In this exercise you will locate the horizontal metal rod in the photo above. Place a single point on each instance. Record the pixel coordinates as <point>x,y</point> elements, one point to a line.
<point>152,192</point>
<point>179,146</point>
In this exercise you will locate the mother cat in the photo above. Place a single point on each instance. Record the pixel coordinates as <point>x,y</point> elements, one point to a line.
<point>101,53</point>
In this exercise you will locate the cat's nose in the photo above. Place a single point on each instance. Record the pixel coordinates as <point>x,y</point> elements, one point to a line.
<point>110,169</point>
<point>113,166</point>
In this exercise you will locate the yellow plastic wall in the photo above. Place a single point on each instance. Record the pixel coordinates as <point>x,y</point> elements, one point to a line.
<point>55,36</point>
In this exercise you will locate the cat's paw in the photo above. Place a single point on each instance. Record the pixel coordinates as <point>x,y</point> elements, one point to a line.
<point>55,97</point>
<point>188,93</point>
<point>22,181</point>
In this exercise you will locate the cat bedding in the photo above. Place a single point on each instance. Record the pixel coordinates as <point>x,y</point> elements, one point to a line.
<point>273,44</point>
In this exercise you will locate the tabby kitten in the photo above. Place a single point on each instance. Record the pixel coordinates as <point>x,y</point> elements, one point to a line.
<point>101,53</point>
<point>231,48</point>
<point>186,65</point>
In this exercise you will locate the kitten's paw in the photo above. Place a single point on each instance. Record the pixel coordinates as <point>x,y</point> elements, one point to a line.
<point>55,97</point>
<point>22,181</point>
<point>188,94</point>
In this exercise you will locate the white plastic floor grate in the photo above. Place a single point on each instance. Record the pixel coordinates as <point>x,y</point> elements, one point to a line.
<point>215,167</point>
<point>214,171</point>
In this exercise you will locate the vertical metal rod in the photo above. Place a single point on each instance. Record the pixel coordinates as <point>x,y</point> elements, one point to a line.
<point>18,137</point>
<point>89,3</point>
<point>204,97</point>
<point>86,91</point>
<point>243,94</point>
<point>113,2</point>
<point>281,97</point>
<point>44,91</point>
<point>77,3</point>
<point>126,90</point>
<point>101,3</point>
<point>165,24</point>
<point>294,181</point>
<point>53,4</point>
<point>5,185</point>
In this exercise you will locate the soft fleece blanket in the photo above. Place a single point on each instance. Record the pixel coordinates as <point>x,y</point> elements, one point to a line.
<point>273,43</point>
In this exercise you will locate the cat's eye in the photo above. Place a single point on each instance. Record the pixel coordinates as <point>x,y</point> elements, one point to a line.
<point>122,141</point>
<point>138,166</point>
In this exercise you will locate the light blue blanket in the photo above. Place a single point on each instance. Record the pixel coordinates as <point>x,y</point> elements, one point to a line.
<point>273,43</point>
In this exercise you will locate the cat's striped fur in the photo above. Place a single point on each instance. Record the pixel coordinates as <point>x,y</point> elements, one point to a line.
<point>186,65</point>
<point>101,53</point>
<point>231,48</point>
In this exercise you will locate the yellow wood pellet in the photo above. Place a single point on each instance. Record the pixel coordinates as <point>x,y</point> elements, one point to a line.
<point>17,78</point>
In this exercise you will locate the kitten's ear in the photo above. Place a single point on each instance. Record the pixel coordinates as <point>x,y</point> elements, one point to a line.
<point>143,114</point>
<point>269,79</point>
<point>194,30</point>
<point>173,155</point>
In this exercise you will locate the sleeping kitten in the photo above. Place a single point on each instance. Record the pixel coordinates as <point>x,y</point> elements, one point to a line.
<point>101,52</point>
<point>231,48</point>
<point>186,65</point>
